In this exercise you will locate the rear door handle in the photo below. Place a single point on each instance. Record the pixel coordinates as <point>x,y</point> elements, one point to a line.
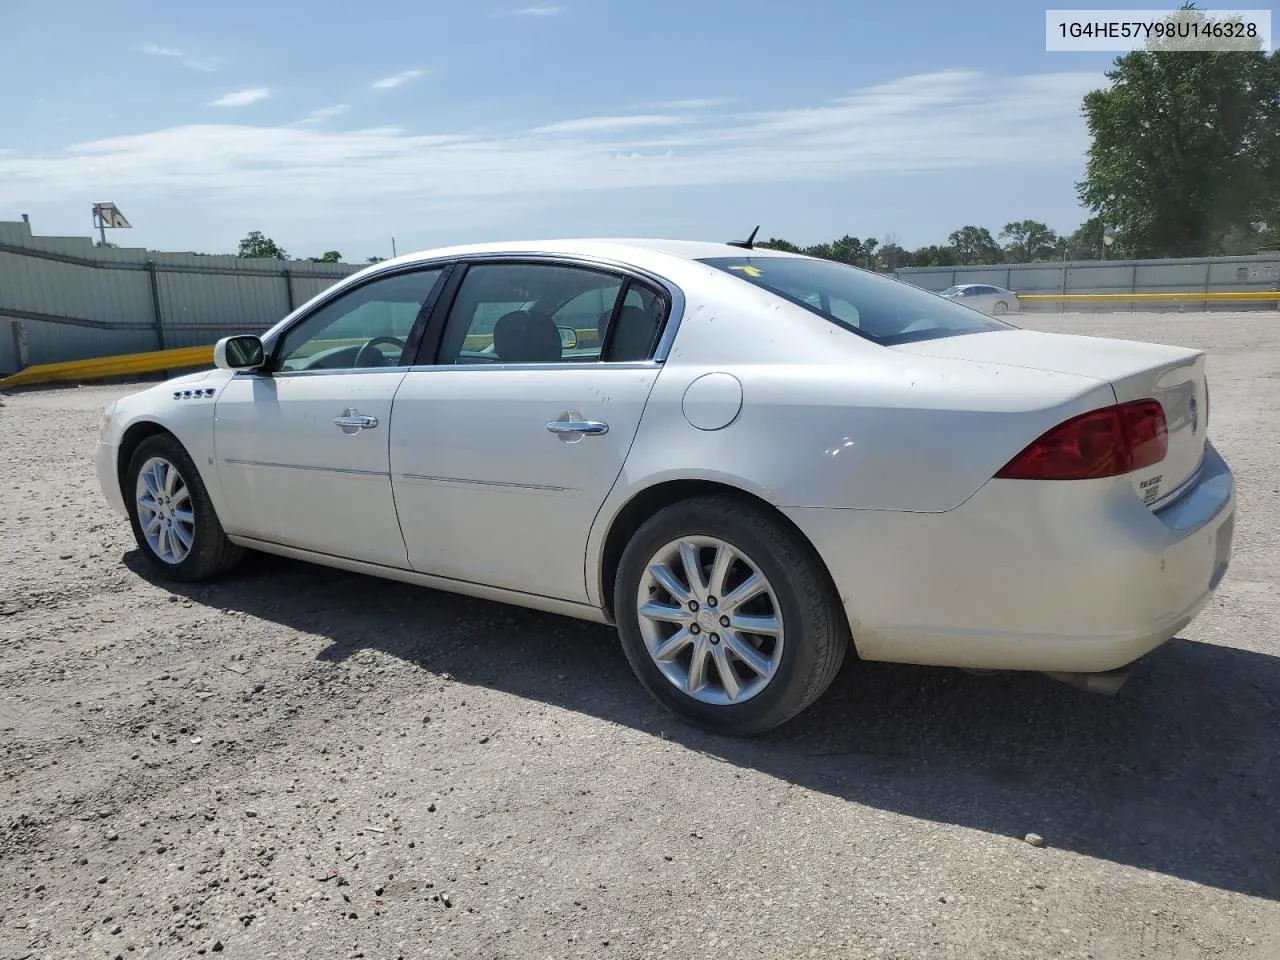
<point>586,428</point>
<point>353,420</point>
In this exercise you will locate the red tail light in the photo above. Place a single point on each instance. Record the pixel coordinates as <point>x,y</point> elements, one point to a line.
<point>1100,443</point>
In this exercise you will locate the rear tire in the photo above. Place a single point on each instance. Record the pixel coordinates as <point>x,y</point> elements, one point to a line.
<point>172,516</point>
<point>1000,308</point>
<point>781,646</point>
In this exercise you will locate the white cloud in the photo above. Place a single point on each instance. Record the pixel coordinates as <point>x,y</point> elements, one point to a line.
<point>697,104</point>
<point>601,124</point>
<point>397,79</point>
<point>242,98</point>
<point>324,113</point>
<point>203,64</point>
<point>944,121</point>
<point>541,10</point>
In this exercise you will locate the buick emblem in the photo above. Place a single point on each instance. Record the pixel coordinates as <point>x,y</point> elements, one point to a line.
<point>1195,415</point>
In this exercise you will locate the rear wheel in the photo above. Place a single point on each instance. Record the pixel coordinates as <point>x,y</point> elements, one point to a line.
<point>172,516</point>
<point>726,615</point>
<point>1000,307</point>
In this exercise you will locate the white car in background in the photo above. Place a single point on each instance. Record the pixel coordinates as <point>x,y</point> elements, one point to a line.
<point>984,297</point>
<point>751,462</point>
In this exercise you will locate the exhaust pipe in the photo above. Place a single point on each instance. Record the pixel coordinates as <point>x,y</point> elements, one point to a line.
<point>1107,683</point>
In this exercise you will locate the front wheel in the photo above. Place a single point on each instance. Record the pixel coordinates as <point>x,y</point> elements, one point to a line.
<point>172,516</point>
<point>727,616</point>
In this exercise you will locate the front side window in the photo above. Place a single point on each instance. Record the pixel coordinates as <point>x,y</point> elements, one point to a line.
<point>882,310</point>
<point>546,313</point>
<point>366,327</point>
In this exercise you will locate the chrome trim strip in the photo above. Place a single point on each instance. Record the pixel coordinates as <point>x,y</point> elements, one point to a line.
<point>298,466</point>
<point>538,487</point>
<point>597,365</point>
<point>568,608</point>
<point>290,374</point>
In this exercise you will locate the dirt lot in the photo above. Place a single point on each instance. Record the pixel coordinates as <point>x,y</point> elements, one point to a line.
<point>300,762</point>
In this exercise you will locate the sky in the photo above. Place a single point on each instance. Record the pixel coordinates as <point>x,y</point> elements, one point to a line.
<point>332,127</point>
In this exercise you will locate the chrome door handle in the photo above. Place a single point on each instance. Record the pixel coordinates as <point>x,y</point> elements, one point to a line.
<point>588,428</point>
<point>350,421</point>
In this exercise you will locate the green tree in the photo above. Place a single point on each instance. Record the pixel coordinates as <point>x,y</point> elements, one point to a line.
<point>975,245</point>
<point>256,245</point>
<point>329,256</point>
<point>935,256</point>
<point>773,243</point>
<point>1086,242</point>
<point>375,259</point>
<point>1185,154</point>
<point>853,251</point>
<point>891,256</point>
<point>1029,241</point>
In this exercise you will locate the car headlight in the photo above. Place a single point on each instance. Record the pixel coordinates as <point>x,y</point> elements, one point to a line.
<point>107,413</point>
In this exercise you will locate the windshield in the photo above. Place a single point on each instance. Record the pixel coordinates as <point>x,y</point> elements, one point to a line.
<point>950,290</point>
<point>878,308</point>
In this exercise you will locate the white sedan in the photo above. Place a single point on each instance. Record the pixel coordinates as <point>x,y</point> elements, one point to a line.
<point>750,462</point>
<point>983,296</point>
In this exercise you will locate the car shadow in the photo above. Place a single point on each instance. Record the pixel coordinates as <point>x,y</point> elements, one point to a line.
<point>1178,774</point>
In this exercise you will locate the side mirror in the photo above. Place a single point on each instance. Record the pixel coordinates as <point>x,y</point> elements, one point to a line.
<point>244,352</point>
<point>568,338</point>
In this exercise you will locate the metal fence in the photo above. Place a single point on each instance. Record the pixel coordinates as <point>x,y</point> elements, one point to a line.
<point>62,298</point>
<point>1191,275</point>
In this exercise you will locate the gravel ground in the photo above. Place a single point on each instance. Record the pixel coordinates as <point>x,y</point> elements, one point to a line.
<point>296,761</point>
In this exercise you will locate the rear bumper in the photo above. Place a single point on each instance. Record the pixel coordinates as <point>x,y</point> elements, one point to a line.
<point>1068,577</point>
<point>104,464</point>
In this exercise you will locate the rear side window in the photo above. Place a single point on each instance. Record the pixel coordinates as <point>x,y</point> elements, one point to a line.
<point>878,308</point>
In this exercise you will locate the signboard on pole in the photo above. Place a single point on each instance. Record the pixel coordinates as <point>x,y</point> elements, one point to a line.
<point>108,215</point>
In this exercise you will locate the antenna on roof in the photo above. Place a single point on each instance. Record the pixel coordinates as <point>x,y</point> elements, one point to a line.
<point>747,244</point>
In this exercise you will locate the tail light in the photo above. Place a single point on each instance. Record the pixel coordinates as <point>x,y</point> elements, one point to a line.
<point>1101,443</point>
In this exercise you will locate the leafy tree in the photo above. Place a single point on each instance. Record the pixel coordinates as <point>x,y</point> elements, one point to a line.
<point>853,251</point>
<point>1186,149</point>
<point>891,256</point>
<point>935,256</point>
<point>773,243</point>
<point>257,245</point>
<point>329,256</point>
<point>1086,242</point>
<point>1029,241</point>
<point>375,259</point>
<point>975,245</point>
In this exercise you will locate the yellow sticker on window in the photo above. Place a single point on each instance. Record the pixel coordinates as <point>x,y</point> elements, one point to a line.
<point>748,270</point>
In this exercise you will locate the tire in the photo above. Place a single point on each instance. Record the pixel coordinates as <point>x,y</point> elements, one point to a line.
<point>811,643</point>
<point>209,552</point>
<point>1000,308</point>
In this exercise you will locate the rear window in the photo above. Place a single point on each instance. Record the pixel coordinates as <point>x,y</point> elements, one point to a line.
<point>878,308</point>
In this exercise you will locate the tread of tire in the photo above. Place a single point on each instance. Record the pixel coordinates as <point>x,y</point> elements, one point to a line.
<point>215,555</point>
<point>830,634</point>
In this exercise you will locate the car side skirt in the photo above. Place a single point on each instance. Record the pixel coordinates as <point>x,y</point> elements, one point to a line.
<point>567,608</point>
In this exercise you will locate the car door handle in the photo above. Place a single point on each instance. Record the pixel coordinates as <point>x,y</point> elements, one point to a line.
<point>587,428</point>
<point>355,421</point>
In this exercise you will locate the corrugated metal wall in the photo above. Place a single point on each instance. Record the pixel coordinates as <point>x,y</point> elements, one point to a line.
<point>1193,275</point>
<point>62,298</point>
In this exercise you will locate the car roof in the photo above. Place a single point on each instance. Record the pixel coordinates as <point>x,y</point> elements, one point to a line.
<point>624,249</point>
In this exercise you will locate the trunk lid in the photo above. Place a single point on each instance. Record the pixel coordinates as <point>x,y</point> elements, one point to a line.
<point>1136,371</point>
